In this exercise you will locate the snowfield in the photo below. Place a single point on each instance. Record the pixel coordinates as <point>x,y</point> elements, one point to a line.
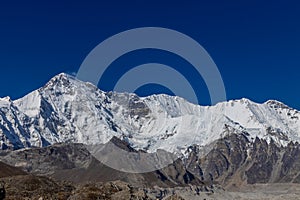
<point>69,110</point>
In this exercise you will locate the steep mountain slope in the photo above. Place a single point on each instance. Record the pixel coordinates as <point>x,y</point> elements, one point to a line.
<point>68,110</point>
<point>234,161</point>
<point>73,162</point>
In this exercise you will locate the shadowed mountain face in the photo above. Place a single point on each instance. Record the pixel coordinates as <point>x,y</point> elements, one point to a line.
<point>235,160</point>
<point>77,180</point>
<point>69,171</point>
<point>73,162</point>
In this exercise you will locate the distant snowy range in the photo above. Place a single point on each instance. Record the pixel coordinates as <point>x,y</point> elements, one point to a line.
<point>69,110</point>
<point>233,143</point>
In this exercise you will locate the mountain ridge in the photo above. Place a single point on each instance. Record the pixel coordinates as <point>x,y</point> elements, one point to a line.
<point>69,110</point>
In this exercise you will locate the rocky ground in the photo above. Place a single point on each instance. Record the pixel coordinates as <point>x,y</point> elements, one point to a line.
<point>41,188</point>
<point>278,191</point>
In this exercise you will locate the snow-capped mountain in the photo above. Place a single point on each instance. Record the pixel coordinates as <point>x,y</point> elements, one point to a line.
<point>69,110</point>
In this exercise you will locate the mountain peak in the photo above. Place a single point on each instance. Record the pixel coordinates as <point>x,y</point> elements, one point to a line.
<point>6,101</point>
<point>242,101</point>
<point>276,104</point>
<point>62,77</point>
<point>69,110</point>
<point>60,80</point>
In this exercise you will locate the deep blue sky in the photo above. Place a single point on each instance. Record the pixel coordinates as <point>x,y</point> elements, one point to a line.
<point>255,43</point>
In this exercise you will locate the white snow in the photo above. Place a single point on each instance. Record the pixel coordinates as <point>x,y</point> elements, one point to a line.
<point>69,110</point>
<point>30,104</point>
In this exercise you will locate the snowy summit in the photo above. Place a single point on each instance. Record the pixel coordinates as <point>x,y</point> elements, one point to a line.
<point>69,110</point>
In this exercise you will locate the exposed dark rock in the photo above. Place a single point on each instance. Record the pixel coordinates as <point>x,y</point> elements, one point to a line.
<point>73,162</point>
<point>236,160</point>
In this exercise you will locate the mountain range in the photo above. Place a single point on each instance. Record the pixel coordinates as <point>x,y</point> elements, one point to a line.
<point>69,110</point>
<point>57,130</point>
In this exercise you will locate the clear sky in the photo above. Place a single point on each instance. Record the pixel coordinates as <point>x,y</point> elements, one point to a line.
<point>255,43</point>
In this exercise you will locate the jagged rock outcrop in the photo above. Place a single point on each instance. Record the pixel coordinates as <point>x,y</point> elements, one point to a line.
<point>235,160</point>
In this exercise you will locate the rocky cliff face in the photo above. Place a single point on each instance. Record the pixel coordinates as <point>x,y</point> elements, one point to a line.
<point>232,161</point>
<point>235,160</point>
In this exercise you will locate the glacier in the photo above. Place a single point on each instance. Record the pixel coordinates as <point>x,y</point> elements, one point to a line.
<point>69,110</point>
